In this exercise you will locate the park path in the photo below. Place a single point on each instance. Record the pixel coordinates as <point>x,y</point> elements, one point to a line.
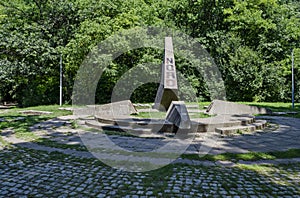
<point>36,173</point>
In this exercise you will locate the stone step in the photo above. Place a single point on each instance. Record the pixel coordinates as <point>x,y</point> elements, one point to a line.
<point>244,120</point>
<point>153,124</point>
<point>220,121</point>
<point>210,125</point>
<point>110,121</point>
<point>133,122</point>
<point>159,130</point>
<point>132,125</point>
<point>221,124</point>
<point>259,124</point>
<point>206,127</point>
<point>108,127</point>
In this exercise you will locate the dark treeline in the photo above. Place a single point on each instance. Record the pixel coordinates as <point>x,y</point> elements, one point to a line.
<point>251,42</point>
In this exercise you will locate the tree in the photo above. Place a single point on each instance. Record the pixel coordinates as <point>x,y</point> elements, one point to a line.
<point>250,41</point>
<point>32,35</point>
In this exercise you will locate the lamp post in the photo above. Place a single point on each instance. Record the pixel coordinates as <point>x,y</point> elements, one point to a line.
<point>293,81</point>
<point>60,81</point>
<point>293,78</point>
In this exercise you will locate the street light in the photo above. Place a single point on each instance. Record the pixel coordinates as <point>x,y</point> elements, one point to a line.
<point>293,78</point>
<point>60,81</point>
<point>293,83</point>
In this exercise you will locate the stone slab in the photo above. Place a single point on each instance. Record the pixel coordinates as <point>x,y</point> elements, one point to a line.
<point>178,115</point>
<point>110,110</point>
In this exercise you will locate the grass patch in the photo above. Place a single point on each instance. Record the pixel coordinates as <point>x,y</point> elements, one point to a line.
<point>291,153</point>
<point>200,115</point>
<point>51,108</point>
<point>146,115</point>
<point>277,107</point>
<point>162,115</point>
<point>54,144</point>
<point>256,168</point>
<point>20,123</point>
<point>251,156</point>
<point>202,105</point>
<point>4,143</point>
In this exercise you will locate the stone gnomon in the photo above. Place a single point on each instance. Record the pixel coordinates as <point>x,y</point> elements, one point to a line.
<point>168,88</point>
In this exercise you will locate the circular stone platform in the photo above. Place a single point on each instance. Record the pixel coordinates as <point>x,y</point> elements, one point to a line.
<point>222,124</point>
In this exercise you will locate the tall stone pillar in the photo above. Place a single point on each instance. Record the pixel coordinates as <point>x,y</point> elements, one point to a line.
<point>168,89</point>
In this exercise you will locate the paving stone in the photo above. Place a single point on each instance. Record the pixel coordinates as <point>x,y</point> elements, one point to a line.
<point>35,174</point>
<point>149,193</point>
<point>3,192</point>
<point>140,192</point>
<point>101,195</point>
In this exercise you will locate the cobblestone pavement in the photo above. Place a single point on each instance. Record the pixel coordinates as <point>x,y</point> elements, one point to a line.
<point>30,173</point>
<point>38,173</point>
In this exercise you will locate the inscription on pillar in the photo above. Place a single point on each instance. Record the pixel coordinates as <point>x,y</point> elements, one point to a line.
<point>170,79</point>
<point>167,91</point>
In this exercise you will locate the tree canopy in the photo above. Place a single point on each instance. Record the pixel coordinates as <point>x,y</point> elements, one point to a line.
<point>250,41</point>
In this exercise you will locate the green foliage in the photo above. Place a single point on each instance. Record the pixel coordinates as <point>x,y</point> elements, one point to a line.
<point>269,29</point>
<point>250,41</point>
<point>31,37</point>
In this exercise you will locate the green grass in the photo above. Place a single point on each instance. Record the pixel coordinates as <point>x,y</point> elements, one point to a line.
<point>251,156</point>
<point>54,144</point>
<point>162,115</point>
<point>203,104</point>
<point>21,127</point>
<point>4,143</point>
<point>256,168</point>
<point>277,107</point>
<point>146,115</point>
